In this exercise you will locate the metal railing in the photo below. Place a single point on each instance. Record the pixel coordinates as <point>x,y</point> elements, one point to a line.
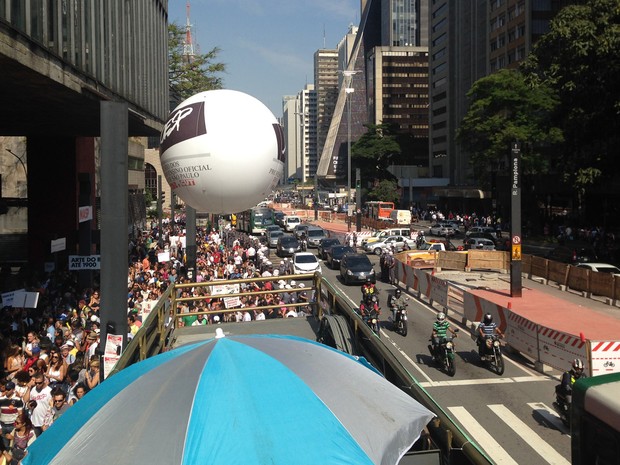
<point>157,335</point>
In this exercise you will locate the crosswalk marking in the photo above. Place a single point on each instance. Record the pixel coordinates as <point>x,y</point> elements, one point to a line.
<point>548,453</point>
<point>469,382</point>
<point>549,415</point>
<point>482,436</point>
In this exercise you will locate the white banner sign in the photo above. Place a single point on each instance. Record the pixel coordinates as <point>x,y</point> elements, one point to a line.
<point>84,262</point>
<point>59,245</point>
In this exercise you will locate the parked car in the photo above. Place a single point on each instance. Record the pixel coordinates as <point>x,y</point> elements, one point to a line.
<point>324,245</point>
<point>314,234</point>
<point>273,236</point>
<point>397,242</point>
<point>305,262</point>
<point>600,268</point>
<point>335,253</point>
<point>287,245</point>
<point>356,268</point>
<point>573,254</point>
<point>441,229</point>
<point>478,243</point>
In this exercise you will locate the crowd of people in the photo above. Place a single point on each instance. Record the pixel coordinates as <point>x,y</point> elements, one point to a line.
<point>50,354</point>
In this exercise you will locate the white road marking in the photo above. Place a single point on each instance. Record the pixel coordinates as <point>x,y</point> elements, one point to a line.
<point>540,446</point>
<point>482,436</point>
<point>413,363</point>
<point>469,382</point>
<point>550,415</point>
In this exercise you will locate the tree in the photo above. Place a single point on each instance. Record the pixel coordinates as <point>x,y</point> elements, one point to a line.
<point>372,152</point>
<point>503,109</point>
<point>386,190</point>
<point>580,59</point>
<point>189,76</point>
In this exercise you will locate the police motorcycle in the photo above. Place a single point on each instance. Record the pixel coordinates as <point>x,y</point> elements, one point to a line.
<point>399,313</point>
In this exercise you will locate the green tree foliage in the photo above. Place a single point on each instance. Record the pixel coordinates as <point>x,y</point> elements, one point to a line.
<point>503,109</point>
<point>580,59</point>
<point>372,152</point>
<point>386,190</point>
<point>190,76</point>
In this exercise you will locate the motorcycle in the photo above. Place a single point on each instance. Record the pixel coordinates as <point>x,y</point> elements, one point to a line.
<point>444,353</point>
<point>562,406</point>
<point>400,320</point>
<point>371,318</point>
<point>492,354</point>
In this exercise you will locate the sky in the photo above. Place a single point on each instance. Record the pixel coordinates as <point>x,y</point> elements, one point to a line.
<point>267,45</point>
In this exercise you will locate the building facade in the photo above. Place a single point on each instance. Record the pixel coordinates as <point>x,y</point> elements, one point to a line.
<point>60,59</point>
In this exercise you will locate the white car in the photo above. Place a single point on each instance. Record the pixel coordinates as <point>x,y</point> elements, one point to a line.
<point>478,243</point>
<point>305,262</point>
<point>600,267</point>
<point>442,229</point>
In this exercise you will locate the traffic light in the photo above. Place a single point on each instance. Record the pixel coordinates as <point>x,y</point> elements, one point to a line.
<point>163,198</point>
<point>358,183</point>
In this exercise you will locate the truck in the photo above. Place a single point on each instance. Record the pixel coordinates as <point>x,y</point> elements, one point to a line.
<point>400,216</point>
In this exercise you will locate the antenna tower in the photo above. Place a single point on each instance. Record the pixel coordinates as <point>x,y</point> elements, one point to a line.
<point>188,44</point>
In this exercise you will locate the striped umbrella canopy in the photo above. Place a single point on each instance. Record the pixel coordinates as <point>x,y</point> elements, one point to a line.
<point>261,399</point>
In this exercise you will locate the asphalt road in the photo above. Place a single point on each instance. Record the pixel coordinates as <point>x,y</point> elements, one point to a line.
<point>509,416</point>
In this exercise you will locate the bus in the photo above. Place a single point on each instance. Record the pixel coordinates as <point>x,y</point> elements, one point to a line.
<point>595,420</point>
<point>255,220</point>
<point>378,209</point>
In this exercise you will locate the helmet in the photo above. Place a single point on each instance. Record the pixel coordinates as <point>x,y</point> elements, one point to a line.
<point>578,365</point>
<point>488,319</point>
<point>368,281</point>
<point>397,293</point>
<point>374,299</point>
<point>441,316</point>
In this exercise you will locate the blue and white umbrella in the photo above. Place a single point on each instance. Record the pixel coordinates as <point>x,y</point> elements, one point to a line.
<point>238,400</point>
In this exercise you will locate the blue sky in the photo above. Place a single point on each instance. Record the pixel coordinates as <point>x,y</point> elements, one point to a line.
<point>267,45</point>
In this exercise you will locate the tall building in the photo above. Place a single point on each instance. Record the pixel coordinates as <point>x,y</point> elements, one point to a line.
<point>468,41</point>
<point>326,87</point>
<point>388,82</point>
<point>59,64</point>
<point>299,123</point>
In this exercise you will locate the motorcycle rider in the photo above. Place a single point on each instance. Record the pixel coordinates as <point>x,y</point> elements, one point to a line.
<point>441,326</point>
<point>564,390</point>
<point>486,328</point>
<point>396,301</point>
<point>367,305</point>
<point>368,290</point>
<point>303,242</point>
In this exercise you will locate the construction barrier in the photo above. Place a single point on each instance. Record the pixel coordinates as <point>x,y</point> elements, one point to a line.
<point>545,346</point>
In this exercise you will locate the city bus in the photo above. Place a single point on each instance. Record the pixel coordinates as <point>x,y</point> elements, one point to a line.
<point>255,220</point>
<point>378,209</point>
<point>595,420</point>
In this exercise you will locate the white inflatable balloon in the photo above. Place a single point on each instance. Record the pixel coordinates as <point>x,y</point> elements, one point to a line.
<point>222,151</point>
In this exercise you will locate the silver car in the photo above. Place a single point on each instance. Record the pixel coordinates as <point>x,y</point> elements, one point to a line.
<point>314,236</point>
<point>273,236</point>
<point>388,243</point>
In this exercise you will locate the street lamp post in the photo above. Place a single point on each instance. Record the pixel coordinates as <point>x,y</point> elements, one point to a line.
<point>349,90</point>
